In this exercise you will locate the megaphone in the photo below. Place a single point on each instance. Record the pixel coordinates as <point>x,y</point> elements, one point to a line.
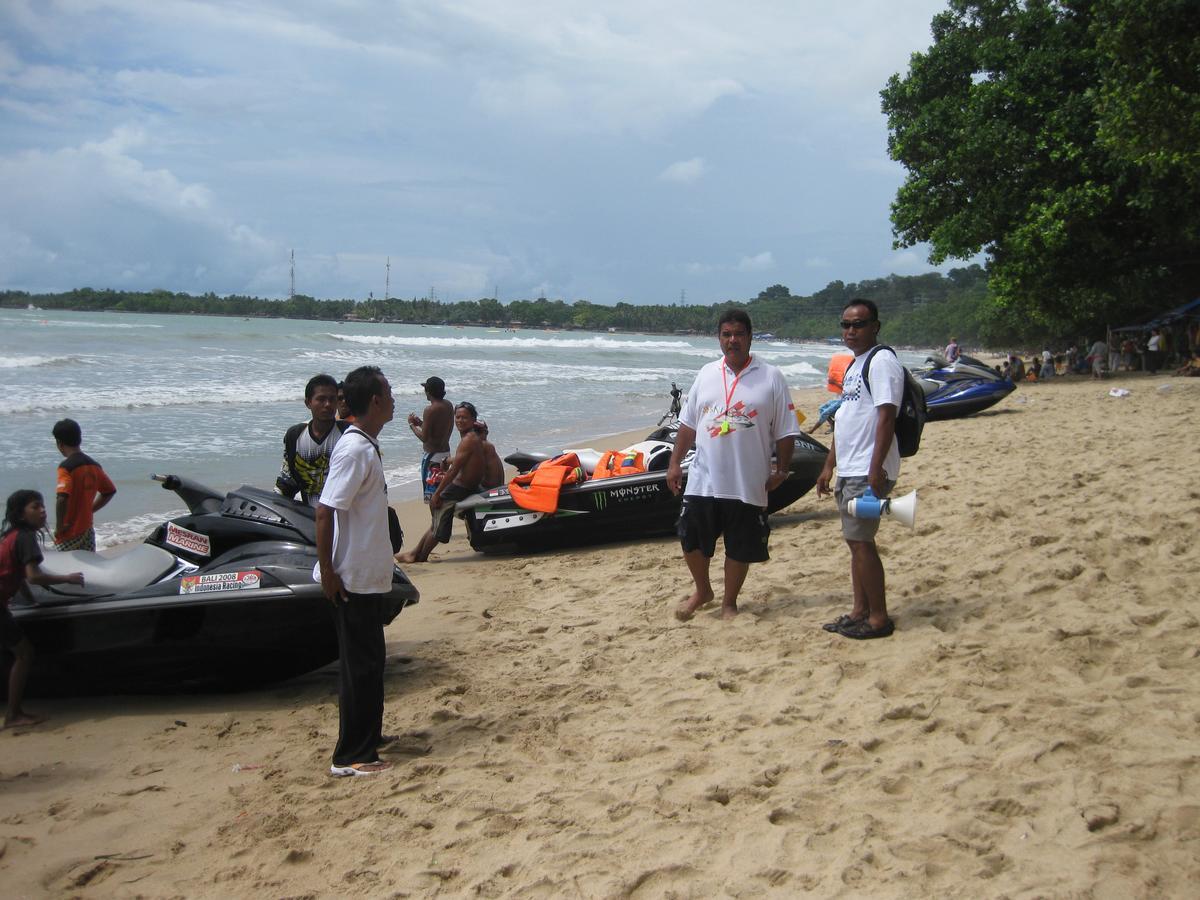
<point>902,509</point>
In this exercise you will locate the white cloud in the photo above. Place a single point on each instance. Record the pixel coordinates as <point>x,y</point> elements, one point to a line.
<point>905,261</point>
<point>684,171</point>
<point>190,143</point>
<point>817,262</point>
<point>103,218</point>
<point>760,262</point>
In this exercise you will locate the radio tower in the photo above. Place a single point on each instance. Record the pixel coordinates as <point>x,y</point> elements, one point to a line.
<point>387,281</point>
<point>292,291</point>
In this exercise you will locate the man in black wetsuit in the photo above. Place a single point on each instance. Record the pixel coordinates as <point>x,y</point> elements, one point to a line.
<point>308,445</point>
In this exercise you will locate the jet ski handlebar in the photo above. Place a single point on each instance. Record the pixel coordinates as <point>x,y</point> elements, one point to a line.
<point>198,497</point>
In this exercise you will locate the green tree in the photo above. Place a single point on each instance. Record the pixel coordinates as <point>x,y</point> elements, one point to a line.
<point>1040,133</point>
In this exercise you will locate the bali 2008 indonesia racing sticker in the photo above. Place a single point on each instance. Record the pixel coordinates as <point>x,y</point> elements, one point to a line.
<point>219,581</point>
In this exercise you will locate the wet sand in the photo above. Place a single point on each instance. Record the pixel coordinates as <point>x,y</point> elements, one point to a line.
<point>1030,730</point>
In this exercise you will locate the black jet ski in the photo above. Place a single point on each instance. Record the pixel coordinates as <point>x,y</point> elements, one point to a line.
<point>960,388</point>
<point>222,597</point>
<point>610,509</point>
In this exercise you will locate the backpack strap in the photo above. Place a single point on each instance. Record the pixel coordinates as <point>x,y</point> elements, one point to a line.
<point>867,363</point>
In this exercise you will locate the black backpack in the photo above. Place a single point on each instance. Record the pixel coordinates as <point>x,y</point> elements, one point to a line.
<point>911,416</point>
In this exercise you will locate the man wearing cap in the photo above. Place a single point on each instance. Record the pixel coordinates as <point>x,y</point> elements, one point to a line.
<point>433,431</point>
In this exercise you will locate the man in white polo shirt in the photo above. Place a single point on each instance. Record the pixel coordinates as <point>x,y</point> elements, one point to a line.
<point>866,455</point>
<point>354,566</point>
<point>738,412</point>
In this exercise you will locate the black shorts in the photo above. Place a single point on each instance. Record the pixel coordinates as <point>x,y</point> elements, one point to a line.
<point>746,529</point>
<point>11,632</point>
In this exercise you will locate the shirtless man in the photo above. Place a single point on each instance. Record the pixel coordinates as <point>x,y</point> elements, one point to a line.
<point>461,480</point>
<point>433,429</point>
<point>493,468</point>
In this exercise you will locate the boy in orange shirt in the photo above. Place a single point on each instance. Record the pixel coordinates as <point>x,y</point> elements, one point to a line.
<point>83,488</point>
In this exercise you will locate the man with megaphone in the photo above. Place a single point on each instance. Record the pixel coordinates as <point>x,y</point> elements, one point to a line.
<point>865,453</point>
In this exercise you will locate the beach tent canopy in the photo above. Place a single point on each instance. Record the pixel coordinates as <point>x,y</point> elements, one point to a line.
<point>1189,310</point>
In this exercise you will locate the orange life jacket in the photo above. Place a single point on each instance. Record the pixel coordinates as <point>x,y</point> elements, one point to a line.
<point>836,374</point>
<point>615,463</point>
<point>538,490</point>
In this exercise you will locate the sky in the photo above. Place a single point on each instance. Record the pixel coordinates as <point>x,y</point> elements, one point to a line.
<point>649,152</point>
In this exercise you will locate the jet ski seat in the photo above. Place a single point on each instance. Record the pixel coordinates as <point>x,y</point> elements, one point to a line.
<point>588,458</point>
<point>656,455</point>
<point>135,568</point>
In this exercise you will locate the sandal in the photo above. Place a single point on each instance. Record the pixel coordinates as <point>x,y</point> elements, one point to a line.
<point>843,621</point>
<point>864,631</point>
<point>356,769</point>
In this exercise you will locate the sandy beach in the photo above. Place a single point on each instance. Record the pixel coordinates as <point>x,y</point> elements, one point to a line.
<point>1029,731</point>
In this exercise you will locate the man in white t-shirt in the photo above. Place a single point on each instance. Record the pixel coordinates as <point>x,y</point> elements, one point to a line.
<point>738,413</point>
<point>354,567</point>
<point>866,456</point>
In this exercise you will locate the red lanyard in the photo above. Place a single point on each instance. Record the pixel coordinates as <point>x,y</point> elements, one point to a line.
<point>725,382</point>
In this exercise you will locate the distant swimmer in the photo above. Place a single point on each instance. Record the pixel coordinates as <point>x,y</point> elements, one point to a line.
<point>308,446</point>
<point>433,428</point>
<point>83,490</point>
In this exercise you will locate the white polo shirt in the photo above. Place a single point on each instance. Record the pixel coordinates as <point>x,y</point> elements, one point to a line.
<point>356,491</point>
<point>854,432</point>
<point>734,444</point>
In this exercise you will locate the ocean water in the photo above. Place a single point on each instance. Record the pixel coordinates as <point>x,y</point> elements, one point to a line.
<point>209,397</point>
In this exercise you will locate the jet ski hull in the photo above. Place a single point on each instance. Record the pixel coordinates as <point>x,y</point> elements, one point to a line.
<point>248,616</point>
<point>631,507</point>
<point>962,388</point>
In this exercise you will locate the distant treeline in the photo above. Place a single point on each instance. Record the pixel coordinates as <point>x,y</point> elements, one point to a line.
<point>919,310</point>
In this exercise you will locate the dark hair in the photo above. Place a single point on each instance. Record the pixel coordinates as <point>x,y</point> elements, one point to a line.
<point>67,432</point>
<point>869,304</point>
<point>360,386</point>
<point>17,501</point>
<point>469,407</point>
<point>736,315</point>
<point>317,381</point>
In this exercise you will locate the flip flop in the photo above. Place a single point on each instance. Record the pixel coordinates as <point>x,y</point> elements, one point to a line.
<point>842,621</point>
<point>863,631</point>
<point>357,769</point>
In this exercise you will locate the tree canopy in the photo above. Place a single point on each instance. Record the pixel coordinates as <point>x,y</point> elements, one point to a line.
<point>1062,140</point>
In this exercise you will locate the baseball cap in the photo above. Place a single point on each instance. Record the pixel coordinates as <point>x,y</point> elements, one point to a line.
<point>434,384</point>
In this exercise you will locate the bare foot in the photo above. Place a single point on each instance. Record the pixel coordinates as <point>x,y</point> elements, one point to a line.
<point>688,605</point>
<point>409,556</point>
<point>729,612</point>
<point>23,720</point>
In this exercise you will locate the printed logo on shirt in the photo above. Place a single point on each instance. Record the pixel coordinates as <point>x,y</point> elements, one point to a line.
<point>724,422</point>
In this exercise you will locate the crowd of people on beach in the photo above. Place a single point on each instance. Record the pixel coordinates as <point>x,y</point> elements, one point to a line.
<point>1174,347</point>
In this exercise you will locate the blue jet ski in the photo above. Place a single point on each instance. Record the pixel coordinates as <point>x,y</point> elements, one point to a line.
<point>960,388</point>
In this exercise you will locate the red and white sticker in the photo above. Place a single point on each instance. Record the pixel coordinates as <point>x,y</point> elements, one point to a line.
<point>191,541</point>
<point>220,581</point>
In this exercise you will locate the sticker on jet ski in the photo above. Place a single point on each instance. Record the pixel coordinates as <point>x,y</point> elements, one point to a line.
<point>621,494</point>
<point>191,541</point>
<point>220,581</point>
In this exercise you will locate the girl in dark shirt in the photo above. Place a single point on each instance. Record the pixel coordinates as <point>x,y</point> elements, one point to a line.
<point>20,562</point>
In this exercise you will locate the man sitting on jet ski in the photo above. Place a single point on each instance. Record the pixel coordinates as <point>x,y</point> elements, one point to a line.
<point>462,479</point>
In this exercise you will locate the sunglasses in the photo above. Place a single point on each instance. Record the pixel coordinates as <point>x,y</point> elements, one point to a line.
<point>856,324</point>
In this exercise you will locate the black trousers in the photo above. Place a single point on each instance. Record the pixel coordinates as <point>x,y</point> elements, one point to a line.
<point>360,678</point>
